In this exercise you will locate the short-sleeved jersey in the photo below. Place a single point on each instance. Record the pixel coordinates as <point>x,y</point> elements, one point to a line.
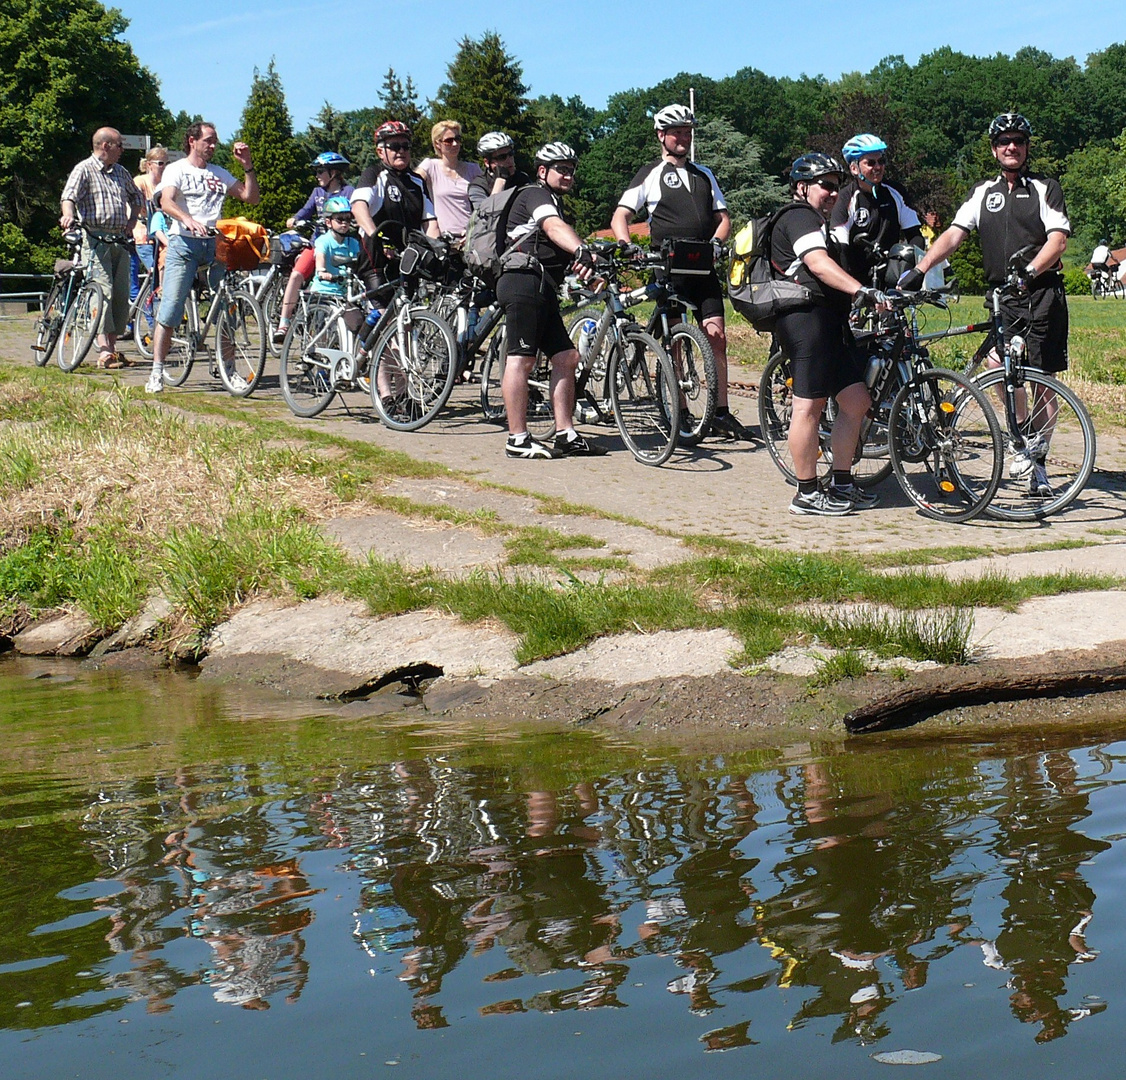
<point>796,233</point>
<point>314,206</point>
<point>682,200</point>
<point>398,201</point>
<point>330,246</point>
<point>1007,221</point>
<point>200,191</point>
<point>862,218</point>
<point>531,207</point>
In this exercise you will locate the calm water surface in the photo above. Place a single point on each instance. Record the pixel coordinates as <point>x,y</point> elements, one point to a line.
<point>196,885</point>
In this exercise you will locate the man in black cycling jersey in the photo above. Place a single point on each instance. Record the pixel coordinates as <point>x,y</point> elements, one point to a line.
<point>870,213</point>
<point>541,248</point>
<point>498,160</point>
<point>684,202</point>
<point>390,200</point>
<point>1012,211</point>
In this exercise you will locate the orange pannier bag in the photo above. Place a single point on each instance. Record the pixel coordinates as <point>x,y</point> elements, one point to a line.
<point>241,243</point>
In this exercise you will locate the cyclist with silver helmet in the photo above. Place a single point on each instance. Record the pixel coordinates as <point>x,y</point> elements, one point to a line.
<point>329,170</point>
<point>498,160</point>
<point>1011,211</point>
<point>390,200</point>
<point>540,249</point>
<point>824,361</point>
<point>683,201</point>
<point>870,212</point>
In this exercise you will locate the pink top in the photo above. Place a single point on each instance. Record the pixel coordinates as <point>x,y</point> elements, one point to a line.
<point>451,197</point>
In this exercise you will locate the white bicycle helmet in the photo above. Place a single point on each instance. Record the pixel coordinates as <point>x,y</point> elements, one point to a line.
<point>1009,121</point>
<point>551,152</point>
<point>859,145</point>
<point>492,141</point>
<point>673,116</point>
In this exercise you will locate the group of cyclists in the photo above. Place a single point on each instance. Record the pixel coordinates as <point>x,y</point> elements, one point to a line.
<point>843,217</point>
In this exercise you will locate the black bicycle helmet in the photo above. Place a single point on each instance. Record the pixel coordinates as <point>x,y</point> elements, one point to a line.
<point>812,166</point>
<point>1009,121</point>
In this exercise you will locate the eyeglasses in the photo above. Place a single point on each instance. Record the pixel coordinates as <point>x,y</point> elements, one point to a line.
<point>1010,140</point>
<point>449,141</point>
<point>872,162</point>
<point>160,164</point>
<point>564,170</point>
<point>398,147</point>
<point>110,142</point>
<point>830,186</point>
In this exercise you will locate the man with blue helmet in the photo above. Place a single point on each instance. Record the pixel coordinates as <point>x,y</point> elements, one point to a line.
<point>871,213</point>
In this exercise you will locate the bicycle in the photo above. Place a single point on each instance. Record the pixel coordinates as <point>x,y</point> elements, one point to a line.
<point>238,355</point>
<point>1105,284</point>
<point>65,290</point>
<point>142,313</point>
<point>269,288</point>
<point>930,426</point>
<point>1049,429</point>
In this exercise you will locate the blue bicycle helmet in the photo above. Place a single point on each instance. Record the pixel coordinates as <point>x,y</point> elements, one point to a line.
<point>336,204</point>
<point>330,159</point>
<point>859,145</point>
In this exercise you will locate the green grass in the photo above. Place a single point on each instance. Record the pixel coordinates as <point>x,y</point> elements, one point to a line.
<point>843,665</point>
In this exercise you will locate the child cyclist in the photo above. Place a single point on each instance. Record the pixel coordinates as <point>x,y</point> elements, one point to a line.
<point>329,169</point>
<point>337,243</point>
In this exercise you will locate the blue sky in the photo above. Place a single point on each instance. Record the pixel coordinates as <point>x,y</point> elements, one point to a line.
<point>204,53</point>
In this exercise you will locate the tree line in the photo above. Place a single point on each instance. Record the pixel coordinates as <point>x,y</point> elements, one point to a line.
<point>67,68</point>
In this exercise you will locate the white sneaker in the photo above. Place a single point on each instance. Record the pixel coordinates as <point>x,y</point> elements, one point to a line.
<point>237,382</point>
<point>155,385</point>
<point>1023,460</point>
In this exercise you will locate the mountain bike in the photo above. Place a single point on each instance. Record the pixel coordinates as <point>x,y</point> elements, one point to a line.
<point>1105,285</point>
<point>70,275</point>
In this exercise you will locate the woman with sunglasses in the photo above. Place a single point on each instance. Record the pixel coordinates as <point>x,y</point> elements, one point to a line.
<point>449,177</point>
<point>824,361</point>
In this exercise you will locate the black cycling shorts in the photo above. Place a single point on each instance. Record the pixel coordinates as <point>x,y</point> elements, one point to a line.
<point>703,290</point>
<point>531,315</point>
<point>1042,321</point>
<point>823,355</point>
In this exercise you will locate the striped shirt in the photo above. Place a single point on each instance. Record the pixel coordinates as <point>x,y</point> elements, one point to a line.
<point>102,195</point>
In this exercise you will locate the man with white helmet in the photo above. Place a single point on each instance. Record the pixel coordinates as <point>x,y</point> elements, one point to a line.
<point>541,249</point>
<point>498,160</point>
<point>869,212</point>
<point>683,201</point>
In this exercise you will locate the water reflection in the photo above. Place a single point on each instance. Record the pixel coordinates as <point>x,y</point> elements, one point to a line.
<point>738,901</point>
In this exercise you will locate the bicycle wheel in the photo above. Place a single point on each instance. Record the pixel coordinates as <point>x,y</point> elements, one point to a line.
<point>49,325</point>
<point>305,367</point>
<point>270,302</point>
<point>1118,290</point>
<point>644,396</point>
<point>775,409</point>
<point>492,373</point>
<point>591,391</point>
<point>694,362</point>
<point>183,345</point>
<point>143,317</point>
<point>1067,460</point>
<point>81,325</point>
<point>413,371</point>
<point>945,444</point>
<point>240,343</point>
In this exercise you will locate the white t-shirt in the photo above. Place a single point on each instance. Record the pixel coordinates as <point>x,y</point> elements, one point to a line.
<point>1100,255</point>
<point>201,192</point>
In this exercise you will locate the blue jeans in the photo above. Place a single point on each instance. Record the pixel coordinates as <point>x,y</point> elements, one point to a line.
<point>186,255</point>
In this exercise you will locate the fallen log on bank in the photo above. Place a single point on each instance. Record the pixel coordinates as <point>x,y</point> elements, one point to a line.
<point>911,706</point>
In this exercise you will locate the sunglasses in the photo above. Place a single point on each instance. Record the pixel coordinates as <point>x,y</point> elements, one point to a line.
<point>831,186</point>
<point>161,164</point>
<point>564,170</point>
<point>341,219</point>
<point>1014,140</point>
<point>398,147</point>
<point>451,140</point>
<point>872,162</point>
<point>506,156</point>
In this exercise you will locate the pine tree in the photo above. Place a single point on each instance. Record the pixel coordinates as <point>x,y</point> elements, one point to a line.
<point>736,161</point>
<point>279,162</point>
<point>399,101</point>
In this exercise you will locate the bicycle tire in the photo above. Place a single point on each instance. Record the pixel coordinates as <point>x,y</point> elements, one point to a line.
<point>416,385</point>
<point>240,344</point>
<point>80,327</point>
<point>696,371</point>
<point>49,325</point>
<point>270,302</point>
<point>143,317</point>
<point>591,387</point>
<point>1118,290</point>
<point>644,395</point>
<point>306,380</point>
<point>945,445</point>
<point>492,375</point>
<point>183,344</point>
<point>1069,461</point>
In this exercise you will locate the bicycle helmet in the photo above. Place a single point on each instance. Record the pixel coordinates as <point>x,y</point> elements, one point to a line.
<point>336,204</point>
<point>1009,121</point>
<point>330,159</point>
<point>493,141</point>
<point>673,116</point>
<point>811,166</point>
<point>390,130</point>
<point>859,145</point>
<point>553,152</point>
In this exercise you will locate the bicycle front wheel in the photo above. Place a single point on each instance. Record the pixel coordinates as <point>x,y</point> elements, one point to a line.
<point>1061,430</point>
<point>144,319</point>
<point>183,344</point>
<point>49,325</point>
<point>81,325</point>
<point>240,344</point>
<point>413,370</point>
<point>695,366</point>
<point>945,445</point>
<point>645,396</point>
<point>590,379</point>
<point>775,410</point>
<point>492,375</point>
<point>305,367</point>
<point>270,302</point>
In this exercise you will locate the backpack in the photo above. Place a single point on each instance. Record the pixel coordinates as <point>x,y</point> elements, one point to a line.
<point>752,288</point>
<point>241,244</point>
<point>486,234</point>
